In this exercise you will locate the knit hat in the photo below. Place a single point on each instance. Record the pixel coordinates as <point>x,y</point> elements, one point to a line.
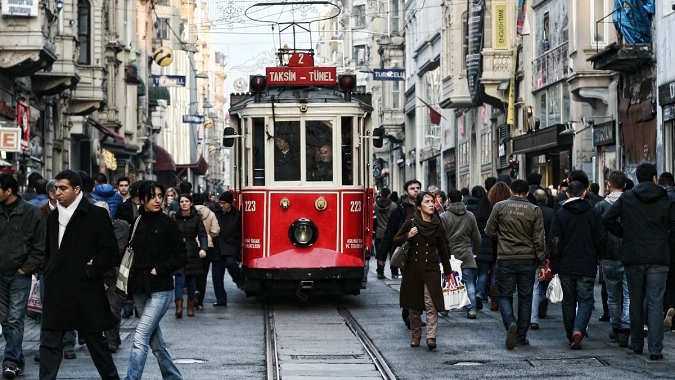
<point>504,178</point>
<point>226,197</point>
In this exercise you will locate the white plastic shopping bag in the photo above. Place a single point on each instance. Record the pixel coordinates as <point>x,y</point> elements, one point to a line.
<point>455,295</point>
<point>554,291</point>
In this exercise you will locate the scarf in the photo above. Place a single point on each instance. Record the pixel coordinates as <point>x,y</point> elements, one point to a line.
<point>65,213</point>
<point>427,229</point>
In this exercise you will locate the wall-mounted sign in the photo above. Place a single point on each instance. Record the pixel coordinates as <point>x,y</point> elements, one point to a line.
<point>667,93</point>
<point>10,139</point>
<point>603,134</point>
<point>163,56</point>
<point>389,74</point>
<point>20,8</point>
<point>193,119</point>
<point>301,76</point>
<point>168,80</point>
<point>501,22</point>
<point>668,112</point>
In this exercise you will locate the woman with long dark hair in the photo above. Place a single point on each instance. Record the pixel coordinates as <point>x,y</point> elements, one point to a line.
<point>158,251</point>
<point>420,287</point>
<point>196,244</point>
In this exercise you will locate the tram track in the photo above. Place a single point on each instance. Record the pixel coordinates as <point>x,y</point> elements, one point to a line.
<point>327,349</point>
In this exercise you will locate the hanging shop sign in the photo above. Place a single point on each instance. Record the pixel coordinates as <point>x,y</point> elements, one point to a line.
<point>389,74</point>
<point>163,56</point>
<point>193,119</point>
<point>10,139</point>
<point>603,134</point>
<point>23,121</point>
<point>474,39</point>
<point>168,80</point>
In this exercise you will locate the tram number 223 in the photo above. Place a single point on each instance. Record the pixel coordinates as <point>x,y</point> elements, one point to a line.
<point>249,206</point>
<point>355,206</point>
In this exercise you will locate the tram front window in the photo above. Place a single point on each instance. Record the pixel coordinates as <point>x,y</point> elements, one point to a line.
<point>286,154</point>
<point>319,141</point>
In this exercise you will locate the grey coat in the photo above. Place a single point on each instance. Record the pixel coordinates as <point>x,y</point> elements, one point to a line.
<point>462,234</point>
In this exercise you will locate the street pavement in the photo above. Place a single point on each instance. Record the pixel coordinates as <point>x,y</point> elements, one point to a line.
<point>228,343</point>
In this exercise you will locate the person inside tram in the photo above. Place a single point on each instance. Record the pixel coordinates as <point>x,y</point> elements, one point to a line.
<point>286,162</point>
<point>323,168</point>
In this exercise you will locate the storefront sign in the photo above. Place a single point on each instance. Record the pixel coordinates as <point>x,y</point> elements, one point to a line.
<point>10,139</point>
<point>20,8</point>
<point>603,134</point>
<point>474,39</point>
<point>667,93</point>
<point>389,74</point>
<point>669,112</point>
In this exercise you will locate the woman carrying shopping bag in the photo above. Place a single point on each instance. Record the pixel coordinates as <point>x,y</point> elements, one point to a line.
<point>420,288</point>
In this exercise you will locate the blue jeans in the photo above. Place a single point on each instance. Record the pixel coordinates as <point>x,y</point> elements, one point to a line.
<point>577,303</point>
<point>218,268</point>
<point>512,275</point>
<point>179,285</point>
<point>646,285</point>
<point>14,293</point>
<point>617,287</point>
<point>538,294</point>
<point>484,279</point>
<point>149,336</point>
<point>469,279</point>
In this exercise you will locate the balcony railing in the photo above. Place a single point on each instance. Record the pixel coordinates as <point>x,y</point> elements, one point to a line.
<point>551,67</point>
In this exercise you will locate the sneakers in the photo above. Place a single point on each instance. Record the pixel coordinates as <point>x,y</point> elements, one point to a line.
<point>668,321</point>
<point>575,344</point>
<point>511,336</point>
<point>472,314</point>
<point>479,303</point>
<point>9,371</point>
<point>543,308</point>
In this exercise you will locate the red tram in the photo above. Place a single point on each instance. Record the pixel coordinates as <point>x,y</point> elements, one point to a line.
<point>301,155</point>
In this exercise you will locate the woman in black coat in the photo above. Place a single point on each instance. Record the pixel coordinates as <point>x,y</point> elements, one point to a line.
<point>192,229</point>
<point>159,250</point>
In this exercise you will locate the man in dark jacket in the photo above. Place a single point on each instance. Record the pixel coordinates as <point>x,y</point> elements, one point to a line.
<point>644,218</point>
<point>383,208</point>
<point>22,253</point>
<point>80,248</point>
<point>539,300</point>
<point>613,272</point>
<point>228,245</point>
<point>519,228</point>
<point>577,238</point>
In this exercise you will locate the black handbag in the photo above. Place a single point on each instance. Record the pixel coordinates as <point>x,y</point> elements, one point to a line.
<point>400,257</point>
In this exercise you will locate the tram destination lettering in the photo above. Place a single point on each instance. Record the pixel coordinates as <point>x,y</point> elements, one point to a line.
<point>301,76</point>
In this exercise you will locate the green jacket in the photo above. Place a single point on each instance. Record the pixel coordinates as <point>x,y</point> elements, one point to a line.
<point>22,239</point>
<point>518,226</point>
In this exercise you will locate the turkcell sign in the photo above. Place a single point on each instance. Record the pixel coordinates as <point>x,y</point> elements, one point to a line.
<point>389,74</point>
<point>168,80</point>
<point>193,119</point>
<point>301,76</point>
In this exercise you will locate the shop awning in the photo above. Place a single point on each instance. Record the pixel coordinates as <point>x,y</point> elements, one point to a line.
<point>199,168</point>
<point>543,140</point>
<point>163,159</point>
<point>117,139</point>
<point>158,93</point>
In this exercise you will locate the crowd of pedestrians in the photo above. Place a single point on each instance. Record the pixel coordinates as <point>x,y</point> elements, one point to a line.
<point>70,234</point>
<point>513,235</point>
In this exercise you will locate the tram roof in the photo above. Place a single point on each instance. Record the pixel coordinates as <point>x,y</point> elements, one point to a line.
<point>295,94</point>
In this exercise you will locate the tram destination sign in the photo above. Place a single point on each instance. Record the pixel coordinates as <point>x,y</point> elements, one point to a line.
<point>301,76</point>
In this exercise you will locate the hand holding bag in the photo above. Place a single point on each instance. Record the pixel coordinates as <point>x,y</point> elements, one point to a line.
<point>125,265</point>
<point>400,256</point>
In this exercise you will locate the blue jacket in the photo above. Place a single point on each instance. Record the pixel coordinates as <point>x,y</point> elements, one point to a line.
<point>106,193</point>
<point>39,200</point>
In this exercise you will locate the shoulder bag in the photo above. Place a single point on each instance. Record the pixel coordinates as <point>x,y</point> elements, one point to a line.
<point>125,265</point>
<point>400,256</point>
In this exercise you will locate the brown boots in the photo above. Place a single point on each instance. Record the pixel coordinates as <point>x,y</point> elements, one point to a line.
<point>191,308</point>
<point>179,308</point>
<point>494,298</point>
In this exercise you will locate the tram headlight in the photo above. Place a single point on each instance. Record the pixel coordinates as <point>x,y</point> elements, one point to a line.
<point>303,233</point>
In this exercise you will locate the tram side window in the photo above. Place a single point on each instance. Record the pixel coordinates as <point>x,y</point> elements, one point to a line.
<point>258,151</point>
<point>347,149</point>
<point>319,141</point>
<point>287,152</point>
